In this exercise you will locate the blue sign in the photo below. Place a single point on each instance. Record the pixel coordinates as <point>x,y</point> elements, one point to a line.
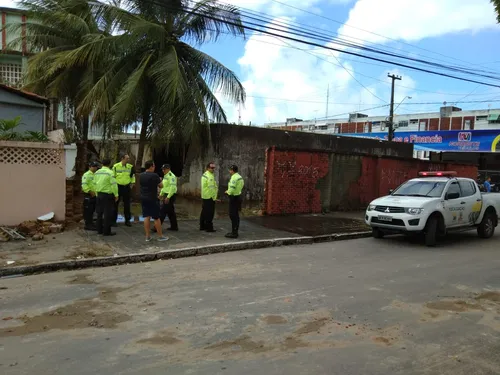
<point>443,141</point>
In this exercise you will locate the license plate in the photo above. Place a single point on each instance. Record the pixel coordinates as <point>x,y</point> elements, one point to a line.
<point>385,218</point>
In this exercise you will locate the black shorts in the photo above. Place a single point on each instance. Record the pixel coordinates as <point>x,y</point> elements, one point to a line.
<point>150,208</point>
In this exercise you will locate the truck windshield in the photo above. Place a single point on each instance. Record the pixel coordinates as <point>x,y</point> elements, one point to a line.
<point>431,189</point>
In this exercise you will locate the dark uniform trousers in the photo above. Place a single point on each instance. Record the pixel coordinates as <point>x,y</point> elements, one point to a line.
<point>124,193</point>
<point>207,214</point>
<point>234,214</point>
<point>168,209</point>
<point>105,211</point>
<point>89,205</point>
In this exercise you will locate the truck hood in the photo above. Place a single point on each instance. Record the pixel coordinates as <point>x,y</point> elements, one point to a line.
<point>407,202</point>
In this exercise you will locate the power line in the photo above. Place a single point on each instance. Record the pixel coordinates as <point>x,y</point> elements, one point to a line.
<point>235,24</point>
<point>373,33</point>
<point>310,51</point>
<point>302,26</point>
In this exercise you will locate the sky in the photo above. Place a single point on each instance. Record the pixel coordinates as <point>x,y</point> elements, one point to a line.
<point>285,79</point>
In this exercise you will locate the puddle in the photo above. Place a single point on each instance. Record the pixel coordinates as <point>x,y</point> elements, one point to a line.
<point>310,225</point>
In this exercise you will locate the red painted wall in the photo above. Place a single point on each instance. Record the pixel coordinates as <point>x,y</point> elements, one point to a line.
<point>291,179</point>
<point>296,181</point>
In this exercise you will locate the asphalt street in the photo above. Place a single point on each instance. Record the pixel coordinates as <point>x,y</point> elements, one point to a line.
<point>367,306</point>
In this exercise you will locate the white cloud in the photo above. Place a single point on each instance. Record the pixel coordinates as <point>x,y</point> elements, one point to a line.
<point>275,71</point>
<point>278,8</point>
<point>414,20</point>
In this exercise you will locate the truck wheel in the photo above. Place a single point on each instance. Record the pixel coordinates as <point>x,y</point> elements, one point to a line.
<point>487,227</point>
<point>377,233</point>
<point>431,230</point>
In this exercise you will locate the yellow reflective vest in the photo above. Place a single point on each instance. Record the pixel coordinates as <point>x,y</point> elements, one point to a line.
<point>88,184</point>
<point>209,186</point>
<point>169,185</point>
<point>124,174</point>
<point>105,181</point>
<point>236,184</point>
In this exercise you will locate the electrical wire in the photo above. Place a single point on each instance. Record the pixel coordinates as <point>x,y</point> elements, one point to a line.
<point>376,34</point>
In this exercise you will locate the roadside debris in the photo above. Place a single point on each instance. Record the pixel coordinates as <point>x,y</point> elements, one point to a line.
<point>7,233</point>
<point>46,217</point>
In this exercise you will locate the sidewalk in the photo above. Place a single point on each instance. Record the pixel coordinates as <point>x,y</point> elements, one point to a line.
<point>77,244</point>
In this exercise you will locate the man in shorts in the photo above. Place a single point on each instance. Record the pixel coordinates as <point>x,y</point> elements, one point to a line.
<point>150,182</point>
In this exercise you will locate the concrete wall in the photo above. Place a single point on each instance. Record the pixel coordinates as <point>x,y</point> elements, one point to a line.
<point>33,181</point>
<point>32,113</point>
<point>312,181</point>
<point>246,146</point>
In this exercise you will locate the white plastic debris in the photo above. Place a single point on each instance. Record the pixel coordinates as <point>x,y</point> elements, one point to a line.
<point>46,217</point>
<point>9,262</point>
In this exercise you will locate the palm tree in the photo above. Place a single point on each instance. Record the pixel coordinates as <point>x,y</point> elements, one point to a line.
<point>155,75</point>
<point>496,4</point>
<point>54,29</point>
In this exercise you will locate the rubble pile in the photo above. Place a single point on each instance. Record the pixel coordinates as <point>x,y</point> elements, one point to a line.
<point>38,229</point>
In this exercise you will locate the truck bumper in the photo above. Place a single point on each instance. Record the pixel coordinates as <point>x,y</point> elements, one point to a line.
<point>398,223</point>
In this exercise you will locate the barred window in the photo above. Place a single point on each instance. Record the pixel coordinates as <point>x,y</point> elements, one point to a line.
<point>11,74</point>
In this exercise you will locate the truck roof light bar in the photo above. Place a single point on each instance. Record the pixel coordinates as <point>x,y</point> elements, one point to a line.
<point>438,174</point>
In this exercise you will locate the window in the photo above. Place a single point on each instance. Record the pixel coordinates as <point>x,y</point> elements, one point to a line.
<point>419,188</point>
<point>481,118</point>
<point>467,188</point>
<point>467,125</point>
<point>402,124</point>
<point>454,188</point>
<point>11,73</point>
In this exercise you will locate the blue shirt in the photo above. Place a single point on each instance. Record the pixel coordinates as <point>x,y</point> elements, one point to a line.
<point>487,186</point>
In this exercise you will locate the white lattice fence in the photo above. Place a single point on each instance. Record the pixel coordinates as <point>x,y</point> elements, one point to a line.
<point>31,155</point>
<point>23,164</point>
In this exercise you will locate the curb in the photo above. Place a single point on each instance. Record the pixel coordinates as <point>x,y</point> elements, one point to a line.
<point>175,254</point>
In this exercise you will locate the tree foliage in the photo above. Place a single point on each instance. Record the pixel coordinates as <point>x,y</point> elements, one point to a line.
<point>135,61</point>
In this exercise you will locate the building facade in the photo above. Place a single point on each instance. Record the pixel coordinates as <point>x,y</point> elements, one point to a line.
<point>14,56</point>
<point>447,118</point>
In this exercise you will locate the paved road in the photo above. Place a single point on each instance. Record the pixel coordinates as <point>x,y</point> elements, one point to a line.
<point>355,307</point>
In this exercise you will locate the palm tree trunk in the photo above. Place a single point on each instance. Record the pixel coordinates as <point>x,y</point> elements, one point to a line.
<point>146,115</point>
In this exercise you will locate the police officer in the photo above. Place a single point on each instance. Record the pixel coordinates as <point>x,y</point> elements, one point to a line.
<point>89,200</point>
<point>235,187</point>
<point>168,196</point>
<point>209,190</point>
<point>125,178</point>
<point>107,195</point>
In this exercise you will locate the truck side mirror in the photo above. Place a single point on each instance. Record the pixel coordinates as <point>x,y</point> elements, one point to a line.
<point>390,191</point>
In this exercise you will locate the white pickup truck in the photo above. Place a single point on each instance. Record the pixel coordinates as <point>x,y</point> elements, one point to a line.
<point>434,204</point>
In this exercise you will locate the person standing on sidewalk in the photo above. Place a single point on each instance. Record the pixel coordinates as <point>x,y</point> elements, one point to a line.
<point>107,195</point>
<point>209,190</point>
<point>125,178</point>
<point>168,196</point>
<point>149,182</point>
<point>235,187</point>
<point>89,200</point>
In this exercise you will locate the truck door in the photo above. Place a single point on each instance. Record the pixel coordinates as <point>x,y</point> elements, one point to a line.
<point>454,208</point>
<point>472,197</point>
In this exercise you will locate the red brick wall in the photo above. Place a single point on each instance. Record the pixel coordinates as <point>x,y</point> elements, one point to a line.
<point>298,182</point>
<point>434,124</point>
<point>291,179</point>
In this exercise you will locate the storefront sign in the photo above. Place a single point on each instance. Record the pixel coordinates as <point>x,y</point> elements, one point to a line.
<point>442,141</point>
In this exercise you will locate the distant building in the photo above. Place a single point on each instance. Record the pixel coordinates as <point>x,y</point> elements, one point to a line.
<point>13,59</point>
<point>32,108</point>
<point>13,65</point>
<point>447,118</point>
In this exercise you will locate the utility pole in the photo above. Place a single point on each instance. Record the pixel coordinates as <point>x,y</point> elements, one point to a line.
<point>327,100</point>
<point>391,114</point>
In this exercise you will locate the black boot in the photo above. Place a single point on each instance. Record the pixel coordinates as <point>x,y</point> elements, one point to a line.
<point>233,234</point>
